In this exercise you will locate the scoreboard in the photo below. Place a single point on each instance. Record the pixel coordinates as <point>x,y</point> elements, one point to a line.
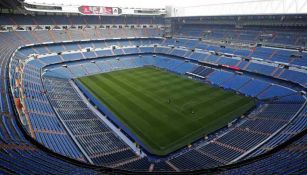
<point>98,10</point>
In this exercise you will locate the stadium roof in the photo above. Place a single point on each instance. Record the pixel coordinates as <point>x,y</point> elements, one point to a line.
<point>115,3</point>
<point>177,8</point>
<point>244,7</point>
<point>134,3</point>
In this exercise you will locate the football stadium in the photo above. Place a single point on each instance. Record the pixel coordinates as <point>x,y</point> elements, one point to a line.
<point>139,87</point>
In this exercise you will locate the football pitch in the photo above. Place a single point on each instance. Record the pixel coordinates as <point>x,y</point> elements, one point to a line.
<point>164,110</point>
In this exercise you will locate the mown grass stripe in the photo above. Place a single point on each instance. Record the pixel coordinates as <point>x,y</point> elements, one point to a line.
<point>165,111</point>
<point>130,108</point>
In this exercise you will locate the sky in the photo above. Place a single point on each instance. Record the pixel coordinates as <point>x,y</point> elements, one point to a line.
<point>134,3</point>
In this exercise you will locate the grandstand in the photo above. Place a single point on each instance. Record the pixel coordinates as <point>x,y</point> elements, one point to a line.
<point>127,90</point>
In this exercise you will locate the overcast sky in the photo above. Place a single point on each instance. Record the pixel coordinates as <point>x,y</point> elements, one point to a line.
<point>135,3</point>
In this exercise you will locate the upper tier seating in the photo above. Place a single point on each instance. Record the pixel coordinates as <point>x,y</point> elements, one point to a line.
<point>8,19</point>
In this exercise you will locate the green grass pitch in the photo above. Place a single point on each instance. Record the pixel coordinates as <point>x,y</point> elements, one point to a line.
<point>164,110</point>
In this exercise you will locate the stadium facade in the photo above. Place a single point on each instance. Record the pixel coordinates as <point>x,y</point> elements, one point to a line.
<point>53,121</point>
